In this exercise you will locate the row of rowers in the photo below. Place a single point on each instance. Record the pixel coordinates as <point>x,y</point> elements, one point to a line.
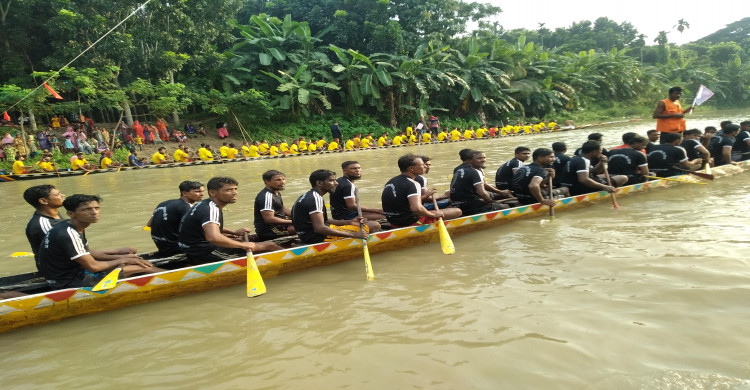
<point>195,226</point>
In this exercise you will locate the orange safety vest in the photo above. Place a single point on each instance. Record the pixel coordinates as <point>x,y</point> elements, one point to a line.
<point>671,125</point>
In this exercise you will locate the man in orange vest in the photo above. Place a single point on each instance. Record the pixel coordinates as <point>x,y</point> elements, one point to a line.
<point>669,115</point>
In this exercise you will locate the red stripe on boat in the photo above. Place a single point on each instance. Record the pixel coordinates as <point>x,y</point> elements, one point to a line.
<point>61,295</point>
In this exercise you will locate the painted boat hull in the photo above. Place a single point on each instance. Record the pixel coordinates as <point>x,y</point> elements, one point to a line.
<point>53,306</point>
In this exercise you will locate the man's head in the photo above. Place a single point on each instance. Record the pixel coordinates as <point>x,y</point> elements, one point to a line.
<point>731,129</point>
<point>522,153</point>
<point>45,195</point>
<point>595,137</point>
<point>162,150</point>
<point>653,135</point>
<point>411,163</point>
<point>692,134</point>
<point>543,157</point>
<point>477,159</point>
<point>627,136</point>
<point>191,191</point>
<point>591,149</point>
<point>723,124</point>
<point>559,147</point>
<point>352,170</point>
<point>222,189</point>
<point>323,180</point>
<point>274,180</point>
<point>670,138</point>
<point>83,208</point>
<point>79,155</point>
<point>710,130</point>
<point>637,142</point>
<point>465,154</point>
<point>745,125</point>
<point>427,163</point>
<point>675,93</point>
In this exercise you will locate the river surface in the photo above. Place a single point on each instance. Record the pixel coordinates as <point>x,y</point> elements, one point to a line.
<point>651,296</point>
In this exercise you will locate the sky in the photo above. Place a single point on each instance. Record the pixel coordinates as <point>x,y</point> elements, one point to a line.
<point>648,17</point>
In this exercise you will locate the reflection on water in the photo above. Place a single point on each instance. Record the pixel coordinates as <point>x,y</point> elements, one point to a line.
<point>653,295</point>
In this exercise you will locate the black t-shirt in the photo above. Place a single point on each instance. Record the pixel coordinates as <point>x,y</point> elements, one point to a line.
<point>38,226</point>
<point>345,190</point>
<point>192,238</point>
<point>662,158</point>
<point>594,160</point>
<point>267,201</point>
<point>310,202</point>
<point>575,165</point>
<point>58,252</point>
<point>504,175</point>
<point>626,161</point>
<point>165,221</point>
<point>395,200</point>
<point>691,148</point>
<point>740,142</point>
<point>716,147</point>
<point>522,179</point>
<point>559,165</point>
<point>462,186</point>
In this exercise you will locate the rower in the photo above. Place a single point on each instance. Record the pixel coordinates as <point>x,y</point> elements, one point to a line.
<point>204,153</point>
<point>80,163</point>
<point>468,190</point>
<point>722,143</point>
<point>46,165</point>
<point>343,202</point>
<point>596,137</point>
<point>19,168</point>
<point>443,201</point>
<point>741,147</point>
<point>203,236</point>
<point>272,219</point>
<point>46,200</point>
<point>663,158</point>
<point>581,178</point>
<point>693,146</point>
<point>653,138</point>
<point>64,258</point>
<point>625,140</point>
<point>133,160</point>
<point>559,148</point>
<point>165,220</point>
<point>402,197</point>
<point>107,162</point>
<point>504,174</point>
<point>630,161</point>
<point>310,217</point>
<point>160,157</point>
<point>529,180</point>
<point>181,154</point>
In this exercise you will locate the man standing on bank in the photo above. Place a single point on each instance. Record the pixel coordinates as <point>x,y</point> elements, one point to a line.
<point>202,234</point>
<point>669,115</point>
<point>272,219</point>
<point>165,220</point>
<point>343,202</point>
<point>336,131</point>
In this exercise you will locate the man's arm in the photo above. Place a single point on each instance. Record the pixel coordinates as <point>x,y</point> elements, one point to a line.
<point>415,205</point>
<point>351,204</point>
<point>216,236</point>
<point>270,218</point>
<point>93,265</point>
<point>495,190</point>
<point>535,189</point>
<point>320,227</point>
<point>583,178</point>
<point>479,187</point>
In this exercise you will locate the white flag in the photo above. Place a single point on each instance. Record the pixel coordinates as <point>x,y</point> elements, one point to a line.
<point>702,95</point>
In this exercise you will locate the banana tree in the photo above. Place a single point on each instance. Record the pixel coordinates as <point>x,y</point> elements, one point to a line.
<point>302,93</point>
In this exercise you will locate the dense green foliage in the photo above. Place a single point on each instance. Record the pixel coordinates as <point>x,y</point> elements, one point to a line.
<point>293,64</point>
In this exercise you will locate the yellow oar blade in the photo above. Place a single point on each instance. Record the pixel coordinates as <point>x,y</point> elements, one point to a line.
<point>22,254</point>
<point>368,263</point>
<point>255,284</point>
<point>109,281</point>
<point>446,244</point>
<point>146,228</point>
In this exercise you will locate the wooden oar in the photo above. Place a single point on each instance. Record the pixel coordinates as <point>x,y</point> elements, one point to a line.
<point>609,183</point>
<point>446,244</point>
<point>366,252</point>
<point>677,180</point>
<point>552,198</point>
<point>109,281</point>
<point>706,176</point>
<point>255,284</point>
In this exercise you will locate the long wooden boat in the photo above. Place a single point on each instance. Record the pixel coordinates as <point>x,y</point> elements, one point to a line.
<point>69,173</point>
<point>56,305</point>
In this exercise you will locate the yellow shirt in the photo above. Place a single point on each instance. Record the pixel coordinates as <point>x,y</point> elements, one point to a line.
<point>245,151</point>
<point>397,140</point>
<point>232,152</point>
<point>468,134</point>
<point>284,147</point>
<point>409,131</point>
<point>138,140</point>
<point>381,141</point>
<point>254,151</point>
<point>205,155</point>
<point>333,145</point>
<point>46,166</point>
<point>303,145</point>
<point>412,139</point>
<point>18,167</point>
<point>294,149</point>
<point>480,133</point>
<point>455,135</point>
<point>365,143</point>
<point>426,137</point>
<point>321,143</point>
<point>158,158</point>
<point>527,129</point>
<point>180,155</point>
<point>357,142</point>
<point>274,151</point>
<point>263,148</point>
<point>442,136</point>
<point>349,145</point>
<point>106,162</point>
<point>312,147</point>
<point>78,163</point>
<point>223,151</point>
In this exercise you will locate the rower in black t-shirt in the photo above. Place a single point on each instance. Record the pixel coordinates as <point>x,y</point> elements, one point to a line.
<point>202,234</point>
<point>271,217</point>
<point>530,184</point>
<point>665,157</point>
<point>47,200</point>
<point>741,147</point>
<point>722,143</point>
<point>64,258</point>
<point>504,174</point>
<point>166,218</point>
<point>559,148</point>
<point>581,178</point>
<point>596,137</point>
<point>343,204</point>
<point>468,189</point>
<point>693,146</point>
<point>630,161</point>
<point>310,217</point>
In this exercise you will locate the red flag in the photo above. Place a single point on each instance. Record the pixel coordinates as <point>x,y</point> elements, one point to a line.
<point>6,116</point>
<point>54,94</point>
